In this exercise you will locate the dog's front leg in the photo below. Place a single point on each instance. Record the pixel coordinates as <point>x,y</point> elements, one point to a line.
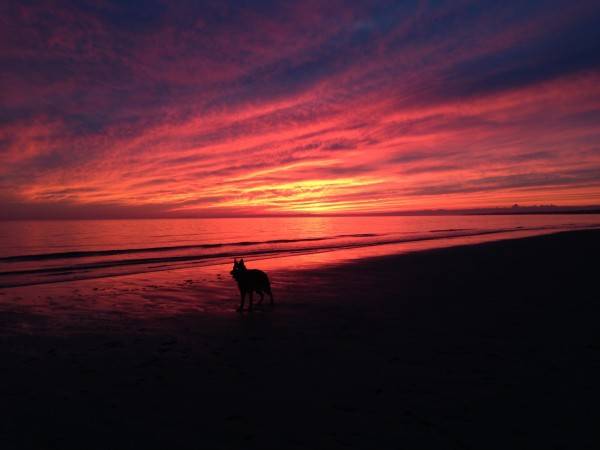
<point>242,295</point>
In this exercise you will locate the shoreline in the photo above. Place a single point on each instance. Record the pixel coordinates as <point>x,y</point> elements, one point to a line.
<point>324,256</point>
<point>491,345</point>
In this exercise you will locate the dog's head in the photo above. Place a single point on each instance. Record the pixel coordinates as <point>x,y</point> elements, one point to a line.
<point>238,266</point>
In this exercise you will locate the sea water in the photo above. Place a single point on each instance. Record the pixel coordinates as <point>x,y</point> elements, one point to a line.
<point>37,252</point>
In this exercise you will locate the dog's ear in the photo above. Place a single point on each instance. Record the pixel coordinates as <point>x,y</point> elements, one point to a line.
<point>242,261</point>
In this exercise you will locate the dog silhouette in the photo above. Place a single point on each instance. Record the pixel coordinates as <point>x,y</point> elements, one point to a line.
<point>250,281</point>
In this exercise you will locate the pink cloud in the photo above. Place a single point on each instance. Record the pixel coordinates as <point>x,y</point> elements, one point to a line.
<point>308,109</point>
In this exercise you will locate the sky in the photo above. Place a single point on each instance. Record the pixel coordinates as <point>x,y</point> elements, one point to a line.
<point>231,108</point>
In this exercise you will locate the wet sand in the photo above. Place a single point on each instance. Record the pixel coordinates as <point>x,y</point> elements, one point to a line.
<point>489,346</point>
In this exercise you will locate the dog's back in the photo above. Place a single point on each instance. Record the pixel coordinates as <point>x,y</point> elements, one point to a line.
<point>253,280</point>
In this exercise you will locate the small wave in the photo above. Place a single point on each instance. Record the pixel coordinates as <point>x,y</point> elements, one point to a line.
<point>127,251</point>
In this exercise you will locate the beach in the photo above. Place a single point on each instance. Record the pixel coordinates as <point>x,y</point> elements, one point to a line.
<point>487,346</point>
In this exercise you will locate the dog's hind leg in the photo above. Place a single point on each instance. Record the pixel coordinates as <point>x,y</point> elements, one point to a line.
<point>243,295</point>
<point>262,297</point>
<point>270,295</point>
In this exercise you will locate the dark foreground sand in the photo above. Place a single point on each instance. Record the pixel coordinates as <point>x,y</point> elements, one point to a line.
<point>493,346</point>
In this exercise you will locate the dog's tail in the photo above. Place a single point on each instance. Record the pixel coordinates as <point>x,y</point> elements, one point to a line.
<point>269,291</point>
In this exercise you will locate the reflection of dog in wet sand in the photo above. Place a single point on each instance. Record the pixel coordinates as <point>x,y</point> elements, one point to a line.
<point>250,281</point>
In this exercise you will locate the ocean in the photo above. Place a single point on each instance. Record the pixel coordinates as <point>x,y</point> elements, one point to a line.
<point>38,252</point>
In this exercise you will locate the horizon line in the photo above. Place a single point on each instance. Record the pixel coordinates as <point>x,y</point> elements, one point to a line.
<point>498,210</point>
